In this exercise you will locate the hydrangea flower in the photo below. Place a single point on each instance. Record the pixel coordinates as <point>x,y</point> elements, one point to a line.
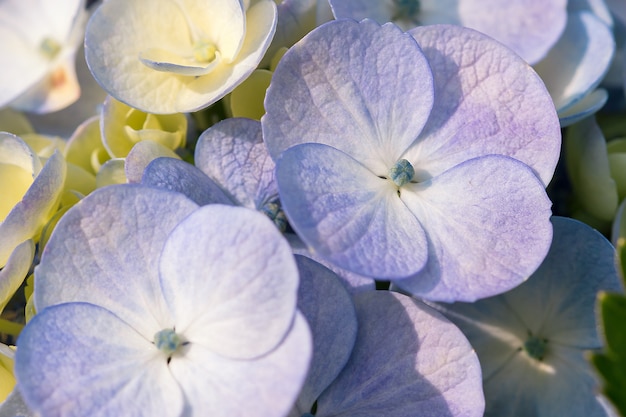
<point>176,56</point>
<point>30,192</point>
<point>531,341</point>
<point>37,54</point>
<point>425,166</point>
<point>382,353</point>
<point>149,305</point>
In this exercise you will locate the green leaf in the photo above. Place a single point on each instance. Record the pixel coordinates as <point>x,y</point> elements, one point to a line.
<point>611,364</point>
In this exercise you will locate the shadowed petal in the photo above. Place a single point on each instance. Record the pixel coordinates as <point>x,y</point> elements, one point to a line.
<point>408,360</point>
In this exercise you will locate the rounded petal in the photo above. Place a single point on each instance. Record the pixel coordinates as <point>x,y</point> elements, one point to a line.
<point>362,88</point>
<point>141,155</point>
<point>264,387</point>
<point>488,101</point>
<point>329,310</point>
<point>579,61</point>
<point>487,222</point>
<point>583,108</point>
<point>408,360</point>
<point>233,154</point>
<point>105,251</point>
<point>230,281</point>
<point>125,42</point>
<point>182,177</point>
<point>347,214</point>
<point>80,359</point>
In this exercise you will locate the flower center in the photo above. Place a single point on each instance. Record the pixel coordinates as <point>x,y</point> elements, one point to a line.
<point>167,341</point>
<point>402,172</point>
<point>274,211</point>
<point>204,51</point>
<point>49,48</point>
<point>536,347</point>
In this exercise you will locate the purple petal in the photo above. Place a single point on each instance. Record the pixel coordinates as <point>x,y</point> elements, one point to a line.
<point>80,359</point>
<point>182,177</point>
<point>232,154</point>
<point>408,360</point>
<point>264,387</point>
<point>347,214</point>
<point>105,251</point>
<point>488,226</point>
<point>362,88</point>
<point>488,101</point>
<point>230,280</point>
<point>328,308</point>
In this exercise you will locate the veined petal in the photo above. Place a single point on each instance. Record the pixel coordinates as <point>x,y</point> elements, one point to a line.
<point>362,88</point>
<point>487,222</point>
<point>265,387</point>
<point>105,251</point>
<point>141,155</point>
<point>347,214</point>
<point>80,359</point>
<point>233,154</point>
<point>408,360</point>
<point>180,176</point>
<point>230,281</point>
<point>488,101</point>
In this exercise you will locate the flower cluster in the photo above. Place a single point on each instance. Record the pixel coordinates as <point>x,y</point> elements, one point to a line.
<point>308,207</point>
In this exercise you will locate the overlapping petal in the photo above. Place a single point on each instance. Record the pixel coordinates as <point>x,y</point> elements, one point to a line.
<point>578,62</point>
<point>488,227</point>
<point>180,176</point>
<point>557,305</point>
<point>86,346</point>
<point>330,312</point>
<point>488,101</point>
<point>233,154</point>
<point>241,306</point>
<point>408,360</point>
<point>349,215</point>
<point>266,386</point>
<point>109,243</point>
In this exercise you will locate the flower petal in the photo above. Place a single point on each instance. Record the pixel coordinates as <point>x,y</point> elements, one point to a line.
<point>230,280</point>
<point>264,387</point>
<point>15,271</point>
<point>362,88</point>
<point>347,214</point>
<point>233,154</point>
<point>579,61</point>
<point>182,177</point>
<point>329,310</point>
<point>80,359</point>
<point>408,360</point>
<point>487,221</point>
<point>489,101</point>
<point>105,251</point>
